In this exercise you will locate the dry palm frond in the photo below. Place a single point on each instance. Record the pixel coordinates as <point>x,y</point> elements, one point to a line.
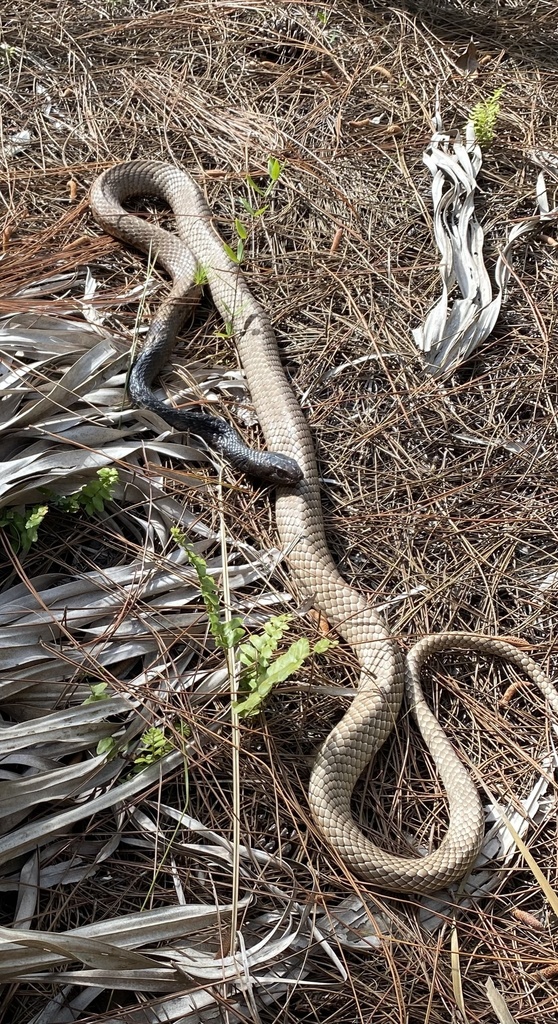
<point>452,331</point>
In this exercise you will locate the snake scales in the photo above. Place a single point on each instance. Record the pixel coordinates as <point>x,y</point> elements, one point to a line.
<point>385,673</point>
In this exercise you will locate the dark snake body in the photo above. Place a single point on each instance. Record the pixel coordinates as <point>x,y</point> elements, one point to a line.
<point>108,194</point>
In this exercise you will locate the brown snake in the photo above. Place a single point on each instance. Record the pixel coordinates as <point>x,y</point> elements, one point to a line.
<point>385,673</point>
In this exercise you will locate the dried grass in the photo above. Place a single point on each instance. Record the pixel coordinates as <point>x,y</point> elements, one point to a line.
<point>450,488</point>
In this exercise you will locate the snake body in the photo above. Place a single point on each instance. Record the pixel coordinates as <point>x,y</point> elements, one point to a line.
<point>290,464</point>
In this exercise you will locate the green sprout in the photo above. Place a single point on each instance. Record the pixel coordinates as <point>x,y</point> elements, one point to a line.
<point>274,170</point>
<point>23,526</point>
<point>92,496</point>
<point>263,665</point>
<point>153,746</point>
<point>484,117</point>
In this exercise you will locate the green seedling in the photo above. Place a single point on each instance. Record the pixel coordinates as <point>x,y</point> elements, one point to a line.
<point>263,665</point>
<point>484,117</point>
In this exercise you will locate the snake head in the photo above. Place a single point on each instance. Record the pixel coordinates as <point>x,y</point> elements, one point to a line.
<point>278,470</point>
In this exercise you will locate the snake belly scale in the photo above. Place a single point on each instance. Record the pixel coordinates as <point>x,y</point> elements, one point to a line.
<point>384,673</point>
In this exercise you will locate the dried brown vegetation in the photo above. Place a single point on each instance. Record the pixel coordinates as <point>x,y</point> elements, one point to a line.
<point>440,498</point>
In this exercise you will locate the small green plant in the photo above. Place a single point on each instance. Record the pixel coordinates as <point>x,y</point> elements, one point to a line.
<point>225,634</point>
<point>153,746</point>
<point>484,117</point>
<point>323,18</point>
<point>228,331</point>
<point>23,526</point>
<point>254,211</point>
<point>263,667</point>
<point>107,746</point>
<point>99,691</point>
<point>230,325</point>
<point>242,232</point>
<point>274,169</point>
<point>200,276</point>
<point>92,496</point>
